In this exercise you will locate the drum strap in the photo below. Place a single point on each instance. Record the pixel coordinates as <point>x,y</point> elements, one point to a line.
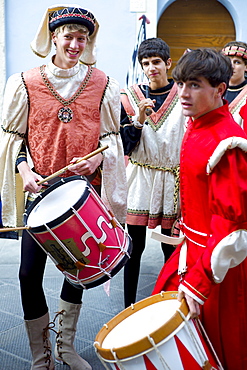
<point>210,344</point>
<point>167,239</point>
<point>182,264</point>
<point>201,354</point>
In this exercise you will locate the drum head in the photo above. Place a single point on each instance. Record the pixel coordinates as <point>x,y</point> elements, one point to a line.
<point>139,325</point>
<point>156,316</point>
<point>55,202</point>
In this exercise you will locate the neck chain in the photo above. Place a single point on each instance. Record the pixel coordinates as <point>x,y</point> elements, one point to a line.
<point>65,114</point>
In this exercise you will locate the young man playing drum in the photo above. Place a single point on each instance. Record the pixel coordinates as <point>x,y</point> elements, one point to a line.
<point>61,112</point>
<point>209,268</point>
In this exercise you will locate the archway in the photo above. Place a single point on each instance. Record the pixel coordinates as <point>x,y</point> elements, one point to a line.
<point>195,23</point>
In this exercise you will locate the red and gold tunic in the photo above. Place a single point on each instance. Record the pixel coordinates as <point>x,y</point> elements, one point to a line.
<point>213,191</point>
<point>95,113</point>
<point>53,143</point>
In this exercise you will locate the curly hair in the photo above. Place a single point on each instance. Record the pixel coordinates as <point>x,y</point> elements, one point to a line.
<point>154,47</point>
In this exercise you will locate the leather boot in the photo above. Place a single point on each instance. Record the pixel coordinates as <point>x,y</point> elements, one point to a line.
<point>38,335</point>
<point>64,350</point>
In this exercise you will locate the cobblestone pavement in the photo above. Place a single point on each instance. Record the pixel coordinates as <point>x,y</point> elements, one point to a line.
<point>98,308</point>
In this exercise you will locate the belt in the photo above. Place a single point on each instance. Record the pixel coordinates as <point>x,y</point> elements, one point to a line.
<point>197,237</point>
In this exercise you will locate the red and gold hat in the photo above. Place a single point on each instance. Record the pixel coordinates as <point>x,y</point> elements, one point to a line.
<point>72,15</point>
<point>59,15</point>
<point>234,50</point>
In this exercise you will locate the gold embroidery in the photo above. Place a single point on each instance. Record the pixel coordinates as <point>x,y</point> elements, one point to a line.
<point>163,117</point>
<point>175,171</point>
<point>195,290</point>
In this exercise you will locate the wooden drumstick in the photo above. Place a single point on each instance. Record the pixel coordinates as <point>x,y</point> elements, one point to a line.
<point>60,172</point>
<point>3,230</point>
<point>148,110</point>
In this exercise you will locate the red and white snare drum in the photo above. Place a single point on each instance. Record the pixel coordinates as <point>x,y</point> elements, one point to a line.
<point>73,226</point>
<point>153,334</point>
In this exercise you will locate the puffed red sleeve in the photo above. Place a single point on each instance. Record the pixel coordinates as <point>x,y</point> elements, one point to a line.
<point>227,245</point>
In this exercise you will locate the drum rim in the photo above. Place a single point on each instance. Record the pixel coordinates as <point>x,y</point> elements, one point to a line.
<point>142,345</point>
<point>59,220</point>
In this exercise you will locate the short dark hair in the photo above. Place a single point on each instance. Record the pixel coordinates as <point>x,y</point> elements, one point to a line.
<point>206,62</point>
<point>154,47</point>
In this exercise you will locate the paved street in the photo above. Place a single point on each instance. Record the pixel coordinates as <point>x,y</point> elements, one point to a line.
<point>98,308</point>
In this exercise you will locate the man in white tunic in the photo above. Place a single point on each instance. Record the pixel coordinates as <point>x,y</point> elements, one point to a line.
<point>152,142</point>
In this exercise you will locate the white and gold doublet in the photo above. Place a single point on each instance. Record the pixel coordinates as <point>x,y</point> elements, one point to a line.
<point>153,169</point>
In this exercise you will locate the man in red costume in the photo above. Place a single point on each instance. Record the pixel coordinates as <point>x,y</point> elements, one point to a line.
<point>210,268</point>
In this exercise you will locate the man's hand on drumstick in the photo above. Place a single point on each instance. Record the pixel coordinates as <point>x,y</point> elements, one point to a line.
<point>144,105</point>
<point>193,305</point>
<point>87,166</point>
<point>29,178</point>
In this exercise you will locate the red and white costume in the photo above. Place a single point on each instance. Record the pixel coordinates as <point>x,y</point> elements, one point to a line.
<point>213,191</point>
<point>243,114</point>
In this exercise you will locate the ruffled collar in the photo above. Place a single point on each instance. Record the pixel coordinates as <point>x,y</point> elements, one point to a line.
<point>64,73</point>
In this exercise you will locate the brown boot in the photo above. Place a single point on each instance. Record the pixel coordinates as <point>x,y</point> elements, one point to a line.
<point>64,349</point>
<point>38,335</point>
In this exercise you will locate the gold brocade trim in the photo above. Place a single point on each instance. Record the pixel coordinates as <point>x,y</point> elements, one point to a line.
<point>108,134</point>
<point>165,169</point>
<point>195,289</point>
<point>239,100</point>
<point>151,216</point>
<point>104,92</point>
<point>22,155</point>
<point>22,135</point>
<point>160,93</point>
<point>175,171</point>
<point>238,105</point>
<point>164,115</point>
<point>55,93</point>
